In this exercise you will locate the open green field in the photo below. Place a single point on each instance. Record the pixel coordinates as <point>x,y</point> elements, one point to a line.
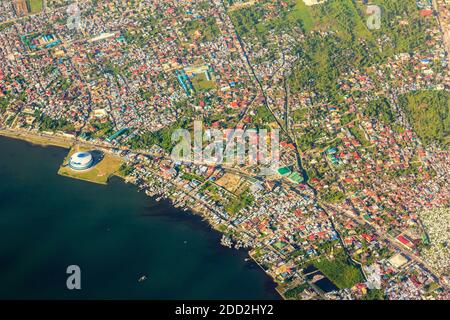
<point>235,205</point>
<point>204,28</point>
<point>100,173</point>
<point>345,17</point>
<point>36,5</point>
<point>294,292</point>
<point>429,113</point>
<point>340,272</point>
<point>200,82</point>
<point>302,13</point>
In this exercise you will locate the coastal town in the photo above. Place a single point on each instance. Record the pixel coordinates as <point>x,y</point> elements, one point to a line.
<point>358,207</point>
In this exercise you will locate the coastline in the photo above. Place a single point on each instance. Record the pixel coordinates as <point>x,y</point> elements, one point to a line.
<point>215,227</point>
<point>114,233</point>
<point>67,143</point>
<point>41,140</point>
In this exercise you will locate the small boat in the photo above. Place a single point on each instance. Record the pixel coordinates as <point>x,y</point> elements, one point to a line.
<point>142,279</point>
<point>247,259</point>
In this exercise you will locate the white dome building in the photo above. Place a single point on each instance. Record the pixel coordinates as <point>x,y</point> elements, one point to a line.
<point>81,161</point>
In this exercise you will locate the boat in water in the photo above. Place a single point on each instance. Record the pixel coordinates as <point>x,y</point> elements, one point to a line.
<point>142,279</point>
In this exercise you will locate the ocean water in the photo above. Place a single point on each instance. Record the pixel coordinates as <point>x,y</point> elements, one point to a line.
<point>113,233</point>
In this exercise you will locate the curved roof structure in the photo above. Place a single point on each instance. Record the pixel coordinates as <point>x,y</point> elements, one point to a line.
<point>81,161</point>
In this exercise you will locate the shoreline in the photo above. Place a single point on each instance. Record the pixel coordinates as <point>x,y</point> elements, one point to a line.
<point>66,143</point>
<point>40,140</point>
<point>166,243</point>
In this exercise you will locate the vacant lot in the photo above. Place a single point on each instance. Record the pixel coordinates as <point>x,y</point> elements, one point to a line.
<point>229,181</point>
<point>36,6</point>
<point>340,272</point>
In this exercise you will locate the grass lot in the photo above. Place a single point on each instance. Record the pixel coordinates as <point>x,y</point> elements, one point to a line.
<point>235,205</point>
<point>201,83</point>
<point>359,135</point>
<point>36,5</point>
<point>429,113</point>
<point>191,176</point>
<point>340,272</point>
<point>294,292</point>
<point>100,173</point>
<point>303,14</point>
<point>206,29</point>
<point>341,16</point>
<point>331,15</point>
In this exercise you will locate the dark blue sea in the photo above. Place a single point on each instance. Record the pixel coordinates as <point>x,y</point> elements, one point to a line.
<point>113,233</point>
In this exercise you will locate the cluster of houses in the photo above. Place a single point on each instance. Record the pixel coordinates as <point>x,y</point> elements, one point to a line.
<point>119,68</point>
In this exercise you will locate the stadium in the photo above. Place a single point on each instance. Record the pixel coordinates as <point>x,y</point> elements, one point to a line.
<point>81,161</point>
